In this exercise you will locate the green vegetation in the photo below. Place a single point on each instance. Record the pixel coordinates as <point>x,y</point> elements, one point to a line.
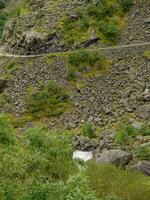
<point>37,164</point>
<point>2,4</point>
<point>6,132</point>
<point>147,54</point>
<point>126,134</point>
<point>5,102</point>
<point>125,5</point>
<point>3,17</point>
<point>88,130</point>
<point>124,184</point>
<point>104,19</point>
<point>143,152</point>
<point>48,100</point>
<point>85,62</point>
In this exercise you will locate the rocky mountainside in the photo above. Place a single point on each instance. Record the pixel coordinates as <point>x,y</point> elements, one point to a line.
<point>75,83</point>
<point>50,26</point>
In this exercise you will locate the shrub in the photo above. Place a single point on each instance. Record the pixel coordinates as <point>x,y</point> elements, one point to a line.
<point>125,5</point>
<point>125,184</point>
<point>101,10</point>
<point>6,131</point>
<point>143,152</point>
<point>82,58</point>
<point>109,29</point>
<point>125,134</point>
<point>44,191</point>
<point>5,102</point>
<point>56,151</point>
<point>3,19</point>
<point>145,130</point>
<point>88,130</point>
<point>2,4</point>
<point>48,100</point>
<point>71,74</point>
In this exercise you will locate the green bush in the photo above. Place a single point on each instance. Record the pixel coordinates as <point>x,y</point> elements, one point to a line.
<point>48,100</point>
<point>101,10</point>
<point>88,130</point>
<point>126,5</point>
<point>109,29</point>
<point>3,19</point>
<point>82,58</point>
<point>76,29</point>
<point>56,151</point>
<point>71,74</point>
<point>125,134</point>
<point>124,184</point>
<point>143,153</point>
<point>38,190</point>
<point>6,131</point>
<point>2,4</point>
<point>5,102</point>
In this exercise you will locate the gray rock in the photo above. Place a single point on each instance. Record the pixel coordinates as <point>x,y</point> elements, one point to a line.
<point>147,20</point>
<point>117,157</point>
<point>144,167</point>
<point>144,111</point>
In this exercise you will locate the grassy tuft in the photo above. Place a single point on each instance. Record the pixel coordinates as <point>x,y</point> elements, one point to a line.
<point>48,100</point>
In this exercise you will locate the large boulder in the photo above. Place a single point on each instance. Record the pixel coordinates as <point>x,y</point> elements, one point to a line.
<point>115,156</point>
<point>85,143</point>
<point>144,167</point>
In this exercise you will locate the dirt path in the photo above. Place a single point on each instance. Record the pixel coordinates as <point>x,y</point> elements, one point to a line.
<point>90,49</point>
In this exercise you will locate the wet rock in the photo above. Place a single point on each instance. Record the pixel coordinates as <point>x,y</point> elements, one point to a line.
<point>116,156</point>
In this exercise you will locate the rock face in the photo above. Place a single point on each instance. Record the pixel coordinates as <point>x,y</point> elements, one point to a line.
<point>144,166</point>
<point>117,157</point>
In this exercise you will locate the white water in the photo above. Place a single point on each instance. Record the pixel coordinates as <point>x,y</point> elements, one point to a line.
<point>83,155</point>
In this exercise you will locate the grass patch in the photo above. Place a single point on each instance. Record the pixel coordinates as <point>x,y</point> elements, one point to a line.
<point>88,130</point>
<point>126,134</point>
<point>86,63</point>
<point>5,102</point>
<point>48,100</point>
<point>143,152</point>
<point>124,184</point>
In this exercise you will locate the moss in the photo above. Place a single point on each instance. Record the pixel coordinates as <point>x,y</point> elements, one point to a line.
<point>147,54</point>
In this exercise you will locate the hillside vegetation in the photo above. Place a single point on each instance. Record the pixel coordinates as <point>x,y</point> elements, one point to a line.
<point>75,98</point>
